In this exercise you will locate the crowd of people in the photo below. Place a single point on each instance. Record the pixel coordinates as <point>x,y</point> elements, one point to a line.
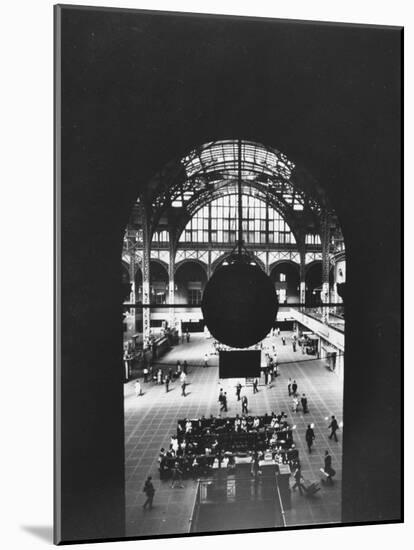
<point>164,376</point>
<point>203,444</point>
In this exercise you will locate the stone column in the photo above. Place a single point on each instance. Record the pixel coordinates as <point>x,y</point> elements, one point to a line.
<point>325,241</point>
<point>132,296</point>
<point>132,270</point>
<point>146,258</point>
<point>171,282</point>
<point>209,270</point>
<point>335,297</point>
<point>302,278</point>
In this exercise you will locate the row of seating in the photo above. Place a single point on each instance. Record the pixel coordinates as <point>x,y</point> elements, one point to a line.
<point>239,441</point>
<point>200,465</point>
<point>218,424</point>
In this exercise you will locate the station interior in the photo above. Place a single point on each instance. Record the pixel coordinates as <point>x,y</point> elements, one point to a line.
<point>183,230</point>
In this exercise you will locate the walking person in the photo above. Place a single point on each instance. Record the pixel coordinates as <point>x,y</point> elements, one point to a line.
<point>328,470</point>
<point>304,403</point>
<point>255,384</point>
<point>255,467</point>
<point>295,403</point>
<point>177,476</point>
<point>167,383</point>
<point>283,340</point>
<point>224,402</point>
<point>297,474</point>
<point>185,367</point>
<point>205,364</point>
<point>309,436</point>
<point>187,334</point>
<point>238,390</point>
<point>150,492</point>
<point>137,388</point>
<point>290,387</point>
<point>334,427</point>
<point>244,405</point>
<point>183,386</point>
<point>294,387</point>
<point>145,375</point>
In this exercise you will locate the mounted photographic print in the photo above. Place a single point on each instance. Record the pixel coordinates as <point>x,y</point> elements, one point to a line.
<point>228,294</point>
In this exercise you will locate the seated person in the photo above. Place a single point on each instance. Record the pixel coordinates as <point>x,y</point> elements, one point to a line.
<point>162,454</point>
<point>163,468</point>
<point>195,467</point>
<point>174,444</point>
<point>275,423</point>
<point>231,464</point>
<point>274,440</point>
<point>256,423</point>
<point>237,423</point>
<point>188,426</point>
<point>186,466</point>
<point>191,448</point>
<point>214,446</point>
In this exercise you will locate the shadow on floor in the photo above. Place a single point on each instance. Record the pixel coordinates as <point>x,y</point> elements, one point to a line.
<point>43,532</point>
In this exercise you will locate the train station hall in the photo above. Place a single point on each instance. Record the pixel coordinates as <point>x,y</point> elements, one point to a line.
<point>230,265</point>
<point>228,433</point>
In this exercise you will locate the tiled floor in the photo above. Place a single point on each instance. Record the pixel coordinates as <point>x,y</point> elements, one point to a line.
<point>151,419</point>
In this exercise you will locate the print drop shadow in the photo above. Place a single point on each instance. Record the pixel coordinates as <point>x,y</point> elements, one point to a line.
<point>43,532</point>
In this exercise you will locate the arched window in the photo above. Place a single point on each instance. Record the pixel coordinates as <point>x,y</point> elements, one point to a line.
<point>217,222</point>
<point>160,237</point>
<point>312,238</point>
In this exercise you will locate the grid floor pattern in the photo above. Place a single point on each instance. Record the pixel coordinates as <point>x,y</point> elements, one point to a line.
<point>151,419</point>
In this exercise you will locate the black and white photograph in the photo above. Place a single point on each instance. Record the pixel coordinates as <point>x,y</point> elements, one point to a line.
<point>205,211</point>
<point>227,286</point>
<point>233,394</point>
<point>228,298</point>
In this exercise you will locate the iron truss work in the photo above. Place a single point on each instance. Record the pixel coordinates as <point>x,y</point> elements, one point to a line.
<point>212,168</point>
<point>210,171</point>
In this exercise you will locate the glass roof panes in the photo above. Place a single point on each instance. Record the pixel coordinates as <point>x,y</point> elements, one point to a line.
<point>224,155</point>
<point>212,170</point>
